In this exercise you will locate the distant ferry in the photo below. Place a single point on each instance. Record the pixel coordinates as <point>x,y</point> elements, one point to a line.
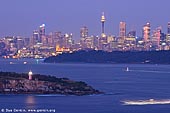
<point>11,63</point>
<point>146,102</point>
<point>25,63</point>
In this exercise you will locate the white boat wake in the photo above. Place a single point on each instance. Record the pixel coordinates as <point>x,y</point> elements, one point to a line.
<point>147,71</point>
<point>146,102</point>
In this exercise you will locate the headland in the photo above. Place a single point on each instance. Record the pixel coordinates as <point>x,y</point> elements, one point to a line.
<point>22,83</point>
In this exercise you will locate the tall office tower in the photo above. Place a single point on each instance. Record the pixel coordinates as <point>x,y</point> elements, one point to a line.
<point>103,19</point>
<point>96,42</point>
<point>130,41</point>
<point>122,35</point>
<point>36,37</point>
<point>89,42</point>
<point>84,32</point>
<point>50,39</point>
<point>57,38</point>
<point>83,36</point>
<point>20,42</point>
<point>26,42</point>
<point>10,41</point>
<point>156,38</point>
<point>68,40</point>
<point>146,32</point>
<point>31,41</point>
<point>122,29</point>
<point>44,39</point>
<point>41,31</point>
<point>168,32</point>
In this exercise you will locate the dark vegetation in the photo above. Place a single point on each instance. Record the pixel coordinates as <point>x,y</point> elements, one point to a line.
<point>17,76</point>
<point>153,57</point>
<point>60,85</point>
<point>13,75</point>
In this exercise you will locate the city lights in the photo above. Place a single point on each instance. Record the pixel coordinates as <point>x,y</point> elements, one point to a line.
<point>42,45</point>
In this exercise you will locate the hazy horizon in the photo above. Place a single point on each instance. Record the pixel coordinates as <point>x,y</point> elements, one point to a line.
<point>22,17</point>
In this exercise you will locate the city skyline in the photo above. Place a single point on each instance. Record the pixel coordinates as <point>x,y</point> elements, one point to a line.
<point>68,17</point>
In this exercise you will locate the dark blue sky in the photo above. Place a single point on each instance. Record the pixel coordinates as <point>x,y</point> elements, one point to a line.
<point>21,17</point>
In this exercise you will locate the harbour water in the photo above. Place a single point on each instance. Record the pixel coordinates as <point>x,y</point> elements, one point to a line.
<point>140,82</point>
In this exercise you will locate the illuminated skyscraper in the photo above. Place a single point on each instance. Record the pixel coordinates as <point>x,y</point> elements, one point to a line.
<point>103,19</point>
<point>84,32</point>
<point>168,32</point>
<point>26,42</point>
<point>89,43</point>
<point>19,42</point>
<point>58,39</point>
<point>50,39</point>
<point>146,32</point>
<point>122,35</point>
<point>68,40</point>
<point>122,29</point>
<point>130,41</point>
<point>36,37</point>
<point>156,38</point>
<point>41,31</point>
<point>44,40</point>
<point>83,36</point>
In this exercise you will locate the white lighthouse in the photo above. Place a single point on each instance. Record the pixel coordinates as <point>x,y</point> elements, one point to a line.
<point>30,75</point>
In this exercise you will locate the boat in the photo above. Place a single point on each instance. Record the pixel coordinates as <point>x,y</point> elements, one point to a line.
<point>11,63</point>
<point>146,102</point>
<point>24,62</point>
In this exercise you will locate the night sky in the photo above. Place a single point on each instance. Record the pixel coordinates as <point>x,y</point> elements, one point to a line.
<point>21,17</point>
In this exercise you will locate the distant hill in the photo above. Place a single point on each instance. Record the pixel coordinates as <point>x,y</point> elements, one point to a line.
<point>153,57</point>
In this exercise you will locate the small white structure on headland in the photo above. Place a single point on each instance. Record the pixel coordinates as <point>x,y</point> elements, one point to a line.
<point>127,69</point>
<point>30,75</point>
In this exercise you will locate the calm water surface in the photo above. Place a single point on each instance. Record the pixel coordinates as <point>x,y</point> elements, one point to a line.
<point>141,82</point>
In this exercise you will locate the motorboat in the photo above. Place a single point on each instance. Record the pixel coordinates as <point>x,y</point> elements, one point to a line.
<point>146,102</point>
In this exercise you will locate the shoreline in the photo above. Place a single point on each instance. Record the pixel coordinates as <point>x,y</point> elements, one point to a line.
<point>15,83</point>
<point>116,57</point>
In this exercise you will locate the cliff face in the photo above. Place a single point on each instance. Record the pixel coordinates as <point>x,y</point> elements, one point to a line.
<point>154,57</point>
<point>41,84</point>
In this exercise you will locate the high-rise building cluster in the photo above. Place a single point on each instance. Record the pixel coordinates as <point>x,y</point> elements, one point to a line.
<point>41,44</point>
<point>127,41</point>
